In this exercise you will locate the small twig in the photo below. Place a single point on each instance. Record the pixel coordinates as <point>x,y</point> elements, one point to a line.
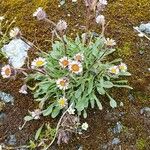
<point>136,28</point>
<point>14,148</point>
<point>104,27</point>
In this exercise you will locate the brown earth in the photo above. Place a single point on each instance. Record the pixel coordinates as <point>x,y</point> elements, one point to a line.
<point>123,15</point>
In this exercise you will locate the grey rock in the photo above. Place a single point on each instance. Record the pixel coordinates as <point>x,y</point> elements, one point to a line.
<point>113,116</point>
<point>79,147</point>
<point>131,97</point>
<point>118,128</point>
<point>104,147</point>
<point>6,98</point>
<point>115,141</point>
<point>141,52</point>
<point>145,28</point>
<point>11,140</point>
<point>145,111</point>
<point>2,117</point>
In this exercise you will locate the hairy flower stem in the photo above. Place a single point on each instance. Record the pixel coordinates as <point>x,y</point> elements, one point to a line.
<point>51,22</point>
<point>57,128</point>
<point>30,69</point>
<point>61,38</point>
<point>104,28</point>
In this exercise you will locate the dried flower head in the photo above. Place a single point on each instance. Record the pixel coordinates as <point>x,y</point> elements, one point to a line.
<point>71,110</point>
<point>91,4</point>
<point>61,25</point>
<point>79,57</point>
<point>123,67</point>
<point>100,19</point>
<point>36,114</point>
<point>38,62</point>
<point>110,42</point>
<point>101,5</point>
<point>62,83</point>
<point>114,70</point>
<point>40,14</point>
<point>75,67</point>
<point>6,71</point>
<point>15,32</point>
<point>23,89</point>
<point>62,102</point>
<point>84,126</point>
<point>64,62</point>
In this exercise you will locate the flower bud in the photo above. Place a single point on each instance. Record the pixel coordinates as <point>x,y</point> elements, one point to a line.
<point>15,32</point>
<point>40,14</point>
<point>100,19</point>
<point>61,25</point>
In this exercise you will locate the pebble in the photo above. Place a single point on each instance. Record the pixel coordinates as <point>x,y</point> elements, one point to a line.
<point>115,141</point>
<point>6,98</point>
<point>131,97</point>
<point>141,52</point>
<point>2,117</point>
<point>118,128</point>
<point>145,111</point>
<point>79,147</point>
<point>113,116</point>
<point>104,147</point>
<point>11,140</point>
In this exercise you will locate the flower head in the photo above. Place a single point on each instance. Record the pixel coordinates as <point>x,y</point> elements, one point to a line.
<point>6,71</point>
<point>62,83</point>
<point>74,0</point>
<point>123,67</point>
<point>114,70</point>
<point>64,62</point>
<point>2,18</point>
<point>79,57</point>
<point>101,5</point>
<point>23,89</point>
<point>75,67</point>
<point>84,126</point>
<point>110,42</point>
<point>15,32</point>
<point>103,2</point>
<point>100,19</point>
<point>62,102</point>
<point>61,25</point>
<point>40,14</point>
<point>71,110</point>
<point>36,114</point>
<point>38,62</point>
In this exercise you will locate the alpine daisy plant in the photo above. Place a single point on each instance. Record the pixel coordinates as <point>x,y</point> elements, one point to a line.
<point>74,75</point>
<point>77,74</point>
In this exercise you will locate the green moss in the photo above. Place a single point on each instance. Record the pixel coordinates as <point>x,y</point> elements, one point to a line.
<point>126,50</point>
<point>141,144</point>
